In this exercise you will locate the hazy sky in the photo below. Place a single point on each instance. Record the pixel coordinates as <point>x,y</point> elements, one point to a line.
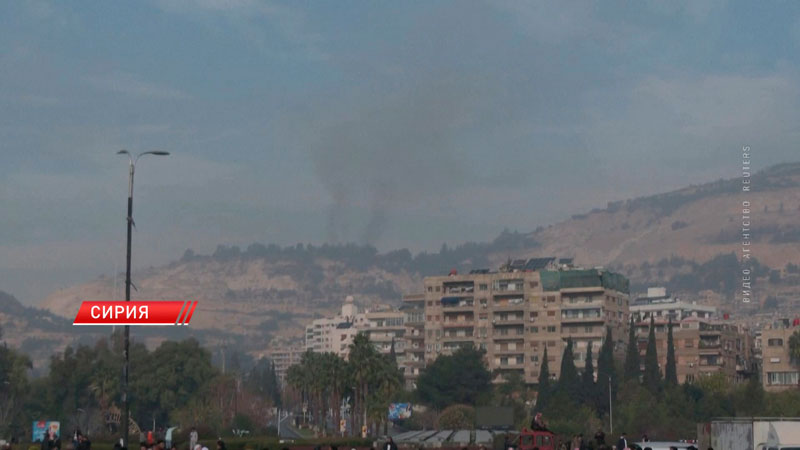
<point>403,124</point>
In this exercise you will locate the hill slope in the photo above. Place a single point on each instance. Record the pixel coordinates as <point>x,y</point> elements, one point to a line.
<point>687,239</point>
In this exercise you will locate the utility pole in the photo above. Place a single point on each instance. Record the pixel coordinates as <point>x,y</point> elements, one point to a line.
<point>610,409</point>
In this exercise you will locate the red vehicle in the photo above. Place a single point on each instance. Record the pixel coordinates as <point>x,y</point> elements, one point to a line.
<point>528,439</point>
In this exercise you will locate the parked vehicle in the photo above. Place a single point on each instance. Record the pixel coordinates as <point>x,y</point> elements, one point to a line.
<point>528,439</point>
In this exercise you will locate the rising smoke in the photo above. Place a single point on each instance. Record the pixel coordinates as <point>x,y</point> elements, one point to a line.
<point>389,155</point>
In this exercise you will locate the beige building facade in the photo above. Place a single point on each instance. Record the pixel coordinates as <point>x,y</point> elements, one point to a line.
<point>513,314</point>
<point>779,371</point>
<point>702,347</point>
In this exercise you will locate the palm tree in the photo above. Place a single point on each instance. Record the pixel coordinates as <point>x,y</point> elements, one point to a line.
<point>389,380</point>
<point>363,363</point>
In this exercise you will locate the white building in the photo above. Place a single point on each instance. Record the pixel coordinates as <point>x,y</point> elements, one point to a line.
<point>335,334</point>
<point>660,304</point>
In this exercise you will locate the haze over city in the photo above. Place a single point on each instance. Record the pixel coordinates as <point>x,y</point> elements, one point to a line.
<point>398,124</point>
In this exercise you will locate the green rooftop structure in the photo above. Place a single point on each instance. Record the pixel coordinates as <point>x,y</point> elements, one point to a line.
<point>555,280</point>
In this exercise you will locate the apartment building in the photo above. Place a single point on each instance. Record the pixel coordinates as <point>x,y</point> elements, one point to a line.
<point>659,304</point>
<point>414,310</point>
<point>284,357</point>
<point>513,314</point>
<point>778,370</point>
<point>385,328</point>
<point>702,347</point>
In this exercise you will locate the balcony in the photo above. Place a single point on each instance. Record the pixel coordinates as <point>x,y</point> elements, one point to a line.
<point>507,337</point>
<point>513,320</point>
<point>592,318</point>
<point>509,351</point>
<point>458,338</point>
<point>708,344</point>
<point>582,305</point>
<point>514,285</point>
<point>508,306</point>
<point>458,324</point>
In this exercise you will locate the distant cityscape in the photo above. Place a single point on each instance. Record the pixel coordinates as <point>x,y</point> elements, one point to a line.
<point>525,306</point>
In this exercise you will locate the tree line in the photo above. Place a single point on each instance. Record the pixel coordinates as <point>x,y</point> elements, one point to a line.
<point>645,400</point>
<point>174,384</point>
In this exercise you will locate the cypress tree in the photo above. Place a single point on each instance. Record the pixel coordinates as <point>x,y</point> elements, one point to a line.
<point>605,369</point>
<point>652,376</point>
<point>568,380</point>
<point>632,370</point>
<point>671,370</point>
<point>544,383</point>
<point>587,378</point>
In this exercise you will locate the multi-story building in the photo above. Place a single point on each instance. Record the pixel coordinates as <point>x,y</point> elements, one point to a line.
<point>333,334</point>
<point>659,304</point>
<point>414,309</point>
<point>702,347</point>
<point>284,357</point>
<point>778,370</point>
<point>385,329</point>
<point>513,314</point>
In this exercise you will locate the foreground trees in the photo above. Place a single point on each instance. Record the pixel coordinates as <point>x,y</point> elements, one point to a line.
<point>458,378</point>
<point>325,380</point>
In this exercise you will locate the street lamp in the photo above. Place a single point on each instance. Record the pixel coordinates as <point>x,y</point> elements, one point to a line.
<point>125,367</point>
<point>610,409</point>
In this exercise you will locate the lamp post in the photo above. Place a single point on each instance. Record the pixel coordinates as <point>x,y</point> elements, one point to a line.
<point>610,410</point>
<point>126,365</point>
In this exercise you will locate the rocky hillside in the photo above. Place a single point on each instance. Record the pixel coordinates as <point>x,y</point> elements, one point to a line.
<point>691,239</point>
<point>687,239</point>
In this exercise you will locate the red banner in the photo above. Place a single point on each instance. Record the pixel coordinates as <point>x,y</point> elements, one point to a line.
<point>135,313</point>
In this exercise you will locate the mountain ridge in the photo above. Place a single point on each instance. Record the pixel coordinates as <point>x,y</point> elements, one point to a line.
<point>686,239</point>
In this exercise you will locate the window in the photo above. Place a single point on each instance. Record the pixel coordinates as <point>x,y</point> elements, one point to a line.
<point>534,314</point>
<point>587,329</point>
<point>551,344</point>
<point>551,313</point>
<point>534,329</point>
<point>438,288</point>
<point>483,346</point>
<point>483,316</point>
<point>430,289</point>
<point>775,342</point>
<point>535,358</point>
<point>436,318</point>
<point>429,317</point>
<point>483,286</point>
<point>534,284</point>
<point>438,333</point>
<point>688,343</point>
<point>551,329</point>
<point>783,378</point>
<point>551,299</point>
